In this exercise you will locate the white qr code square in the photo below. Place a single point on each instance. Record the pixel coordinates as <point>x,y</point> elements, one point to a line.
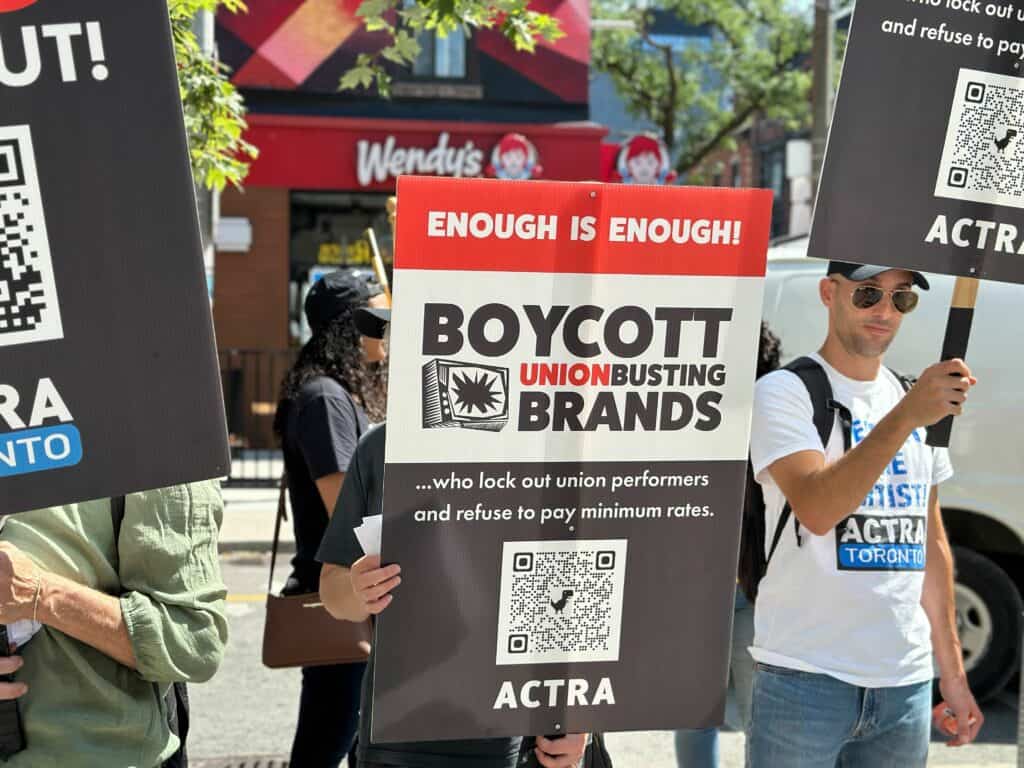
<point>983,158</point>
<point>561,601</point>
<point>28,294</point>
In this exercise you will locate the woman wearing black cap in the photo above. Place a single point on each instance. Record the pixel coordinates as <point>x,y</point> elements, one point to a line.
<point>338,384</point>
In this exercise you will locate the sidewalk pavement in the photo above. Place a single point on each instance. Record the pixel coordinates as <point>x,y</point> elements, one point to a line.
<point>249,517</point>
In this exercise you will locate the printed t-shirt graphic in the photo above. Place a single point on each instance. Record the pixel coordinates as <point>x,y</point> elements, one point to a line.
<point>889,531</point>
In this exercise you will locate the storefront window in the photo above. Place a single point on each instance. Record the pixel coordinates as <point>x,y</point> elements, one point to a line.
<point>328,231</point>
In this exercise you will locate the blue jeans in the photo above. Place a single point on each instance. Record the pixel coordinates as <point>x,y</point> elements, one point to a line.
<point>698,748</point>
<point>805,720</point>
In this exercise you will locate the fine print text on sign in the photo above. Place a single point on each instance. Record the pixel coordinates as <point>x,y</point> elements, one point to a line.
<point>928,177</point>
<point>108,373</point>
<point>571,378</point>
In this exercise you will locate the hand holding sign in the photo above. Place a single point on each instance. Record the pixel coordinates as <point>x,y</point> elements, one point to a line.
<point>941,391</point>
<point>372,584</point>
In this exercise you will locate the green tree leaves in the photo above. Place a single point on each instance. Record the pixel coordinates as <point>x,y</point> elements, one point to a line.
<point>214,111</point>
<point>746,58</point>
<point>406,21</point>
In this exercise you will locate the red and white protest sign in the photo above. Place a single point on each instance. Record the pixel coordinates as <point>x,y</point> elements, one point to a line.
<point>572,370</point>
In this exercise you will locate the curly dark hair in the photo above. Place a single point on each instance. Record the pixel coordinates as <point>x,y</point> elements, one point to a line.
<point>769,351</point>
<point>336,351</point>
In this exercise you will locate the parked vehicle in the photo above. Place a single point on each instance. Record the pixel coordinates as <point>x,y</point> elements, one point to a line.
<point>983,504</point>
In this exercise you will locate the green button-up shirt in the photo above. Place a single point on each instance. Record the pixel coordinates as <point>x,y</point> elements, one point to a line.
<point>83,709</point>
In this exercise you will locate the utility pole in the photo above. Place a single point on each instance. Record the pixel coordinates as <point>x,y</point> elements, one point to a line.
<point>208,201</point>
<point>823,56</point>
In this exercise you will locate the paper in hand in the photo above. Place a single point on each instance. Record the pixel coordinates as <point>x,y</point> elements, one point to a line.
<point>20,632</point>
<point>369,534</point>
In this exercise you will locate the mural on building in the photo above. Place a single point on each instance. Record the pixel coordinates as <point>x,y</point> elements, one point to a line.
<point>307,45</point>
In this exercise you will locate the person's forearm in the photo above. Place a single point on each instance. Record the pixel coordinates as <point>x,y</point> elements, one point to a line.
<point>833,493</point>
<point>338,596</point>
<point>939,604</point>
<point>87,615</point>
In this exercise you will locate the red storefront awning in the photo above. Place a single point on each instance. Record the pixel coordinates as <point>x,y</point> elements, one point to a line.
<point>363,154</point>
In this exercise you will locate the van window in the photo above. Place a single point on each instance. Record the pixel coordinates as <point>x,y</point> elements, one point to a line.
<point>794,312</point>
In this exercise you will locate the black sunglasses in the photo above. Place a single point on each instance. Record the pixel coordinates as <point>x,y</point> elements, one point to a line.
<point>867,296</point>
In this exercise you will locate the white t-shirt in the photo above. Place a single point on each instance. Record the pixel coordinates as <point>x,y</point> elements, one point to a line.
<point>846,604</point>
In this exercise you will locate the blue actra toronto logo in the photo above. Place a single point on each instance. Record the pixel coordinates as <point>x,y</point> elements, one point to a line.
<point>881,543</point>
<point>37,436</point>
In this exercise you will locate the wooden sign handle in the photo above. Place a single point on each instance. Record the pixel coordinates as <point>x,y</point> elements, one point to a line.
<point>958,335</point>
<point>378,264</point>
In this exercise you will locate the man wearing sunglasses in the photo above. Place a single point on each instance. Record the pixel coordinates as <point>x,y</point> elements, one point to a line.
<point>858,592</point>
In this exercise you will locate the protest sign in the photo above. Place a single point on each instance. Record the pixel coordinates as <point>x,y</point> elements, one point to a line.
<point>925,154</point>
<point>572,371</point>
<point>108,372</point>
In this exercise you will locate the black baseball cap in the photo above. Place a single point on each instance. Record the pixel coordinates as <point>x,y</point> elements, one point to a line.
<point>335,292</point>
<point>860,272</point>
<point>372,321</point>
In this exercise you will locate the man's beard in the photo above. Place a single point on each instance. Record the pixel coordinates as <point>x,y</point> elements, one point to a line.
<point>862,347</point>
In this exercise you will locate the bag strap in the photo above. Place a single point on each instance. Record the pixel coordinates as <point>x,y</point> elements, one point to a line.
<point>282,514</point>
<point>117,507</point>
<point>814,378</point>
<point>907,382</point>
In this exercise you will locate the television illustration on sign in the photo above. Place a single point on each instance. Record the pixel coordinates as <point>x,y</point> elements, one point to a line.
<point>457,394</point>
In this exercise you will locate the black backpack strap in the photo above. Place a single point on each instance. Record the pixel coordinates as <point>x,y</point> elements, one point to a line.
<point>825,408</point>
<point>907,382</point>
<point>818,387</point>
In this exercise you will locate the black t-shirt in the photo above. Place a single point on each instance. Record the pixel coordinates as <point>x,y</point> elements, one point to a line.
<point>361,496</point>
<point>321,431</point>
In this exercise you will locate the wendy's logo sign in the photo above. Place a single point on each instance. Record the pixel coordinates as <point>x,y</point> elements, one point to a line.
<point>644,160</point>
<point>514,157</point>
<point>6,6</point>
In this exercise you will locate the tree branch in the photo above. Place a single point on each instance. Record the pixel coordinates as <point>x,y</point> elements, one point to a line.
<point>668,116</point>
<point>627,74</point>
<point>687,161</point>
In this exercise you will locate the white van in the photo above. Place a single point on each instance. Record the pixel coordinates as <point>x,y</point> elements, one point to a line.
<point>983,504</point>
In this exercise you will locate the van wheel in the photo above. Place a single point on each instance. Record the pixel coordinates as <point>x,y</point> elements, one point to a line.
<point>990,620</point>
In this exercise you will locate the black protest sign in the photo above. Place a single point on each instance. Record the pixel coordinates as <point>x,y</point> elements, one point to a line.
<point>925,161</point>
<point>108,372</point>
<point>572,371</point>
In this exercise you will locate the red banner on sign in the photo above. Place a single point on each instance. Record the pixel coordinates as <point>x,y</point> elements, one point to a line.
<point>6,6</point>
<point>533,226</point>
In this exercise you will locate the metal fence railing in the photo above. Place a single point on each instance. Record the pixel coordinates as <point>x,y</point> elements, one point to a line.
<point>251,381</point>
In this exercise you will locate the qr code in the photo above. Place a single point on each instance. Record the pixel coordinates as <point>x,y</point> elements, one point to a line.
<point>561,601</point>
<point>28,294</point>
<point>983,158</point>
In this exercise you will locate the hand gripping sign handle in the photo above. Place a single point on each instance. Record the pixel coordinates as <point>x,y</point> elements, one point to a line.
<point>958,334</point>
